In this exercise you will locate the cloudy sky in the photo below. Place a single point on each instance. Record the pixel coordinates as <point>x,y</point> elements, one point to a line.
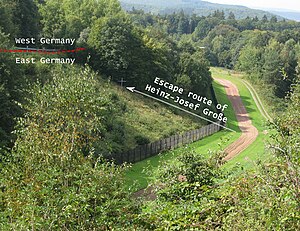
<point>293,5</point>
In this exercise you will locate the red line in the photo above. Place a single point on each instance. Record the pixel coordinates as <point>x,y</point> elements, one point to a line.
<point>42,52</point>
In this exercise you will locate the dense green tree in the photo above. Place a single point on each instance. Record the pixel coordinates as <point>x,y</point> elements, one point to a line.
<point>7,10</point>
<point>250,61</point>
<point>245,24</point>
<point>69,18</point>
<point>165,53</point>
<point>202,29</point>
<point>231,16</point>
<point>11,85</point>
<point>194,69</point>
<point>265,19</point>
<point>272,63</point>
<point>218,14</point>
<point>273,19</point>
<point>19,18</point>
<point>231,20</point>
<point>120,51</point>
<point>27,17</point>
<point>183,24</point>
<point>220,41</point>
<point>289,59</point>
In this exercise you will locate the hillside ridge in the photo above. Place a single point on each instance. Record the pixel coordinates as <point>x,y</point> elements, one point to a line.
<point>198,7</point>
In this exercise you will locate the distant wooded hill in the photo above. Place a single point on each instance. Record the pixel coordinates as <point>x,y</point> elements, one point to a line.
<point>198,7</point>
<point>289,15</point>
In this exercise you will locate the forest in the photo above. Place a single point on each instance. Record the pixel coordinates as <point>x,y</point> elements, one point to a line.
<point>59,122</point>
<point>198,7</point>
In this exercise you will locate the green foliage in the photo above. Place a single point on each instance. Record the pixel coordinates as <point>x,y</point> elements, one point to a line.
<point>74,102</point>
<point>183,187</point>
<point>286,142</point>
<point>11,83</point>
<point>27,17</point>
<point>194,72</point>
<point>6,17</point>
<point>4,127</point>
<point>247,44</point>
<point>77,194</point>
<point>221,41</point>
<point>192,7</point>
<point>47,181</point>
<point>184,81</point>
<point>53,178</point>
<point>249,60</point>
<point>114,40</point>
<point>19,18</point>
<point>141,140</point>
<point>267,199</point>
<point>70,18</point>
<point>272,64</point>
<point>122,51</point>
<point>202,29</point>
<point>188,173</point>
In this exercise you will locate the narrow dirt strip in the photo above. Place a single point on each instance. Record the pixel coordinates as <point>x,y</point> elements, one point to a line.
<point>249,132</point>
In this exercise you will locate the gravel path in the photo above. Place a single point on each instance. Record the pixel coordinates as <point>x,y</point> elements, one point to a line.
<point>249,132</point>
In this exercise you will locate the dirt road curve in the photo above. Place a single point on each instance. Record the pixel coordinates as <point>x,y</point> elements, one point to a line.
<point>249,132</point>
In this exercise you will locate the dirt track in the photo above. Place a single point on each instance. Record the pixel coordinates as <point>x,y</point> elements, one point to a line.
<point>249,132</point>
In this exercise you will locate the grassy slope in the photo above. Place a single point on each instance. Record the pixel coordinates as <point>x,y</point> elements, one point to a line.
<point>149,119</point>
<point>138,173</point>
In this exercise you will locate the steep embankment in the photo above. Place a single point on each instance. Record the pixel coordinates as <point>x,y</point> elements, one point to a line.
<point>146,121</point>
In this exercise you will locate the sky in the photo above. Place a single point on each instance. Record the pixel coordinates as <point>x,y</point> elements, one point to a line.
<point>291,5</point>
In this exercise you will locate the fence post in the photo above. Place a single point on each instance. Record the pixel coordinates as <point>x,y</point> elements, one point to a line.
<point>118,158</point>
<point>176,140</point>
<point>184,138</point>
<point>142,148</point>
<point>128,155</point>
<point>134,154</point>
<point>156,146</point>
<point>151,149</point>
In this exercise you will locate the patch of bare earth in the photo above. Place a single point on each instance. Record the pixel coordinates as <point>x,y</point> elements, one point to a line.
<point>147,194</point>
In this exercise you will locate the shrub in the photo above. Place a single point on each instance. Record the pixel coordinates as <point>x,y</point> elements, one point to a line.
<point>141,140</point>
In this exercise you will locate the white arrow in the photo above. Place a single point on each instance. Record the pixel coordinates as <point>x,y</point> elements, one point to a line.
<point>132,89</point>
